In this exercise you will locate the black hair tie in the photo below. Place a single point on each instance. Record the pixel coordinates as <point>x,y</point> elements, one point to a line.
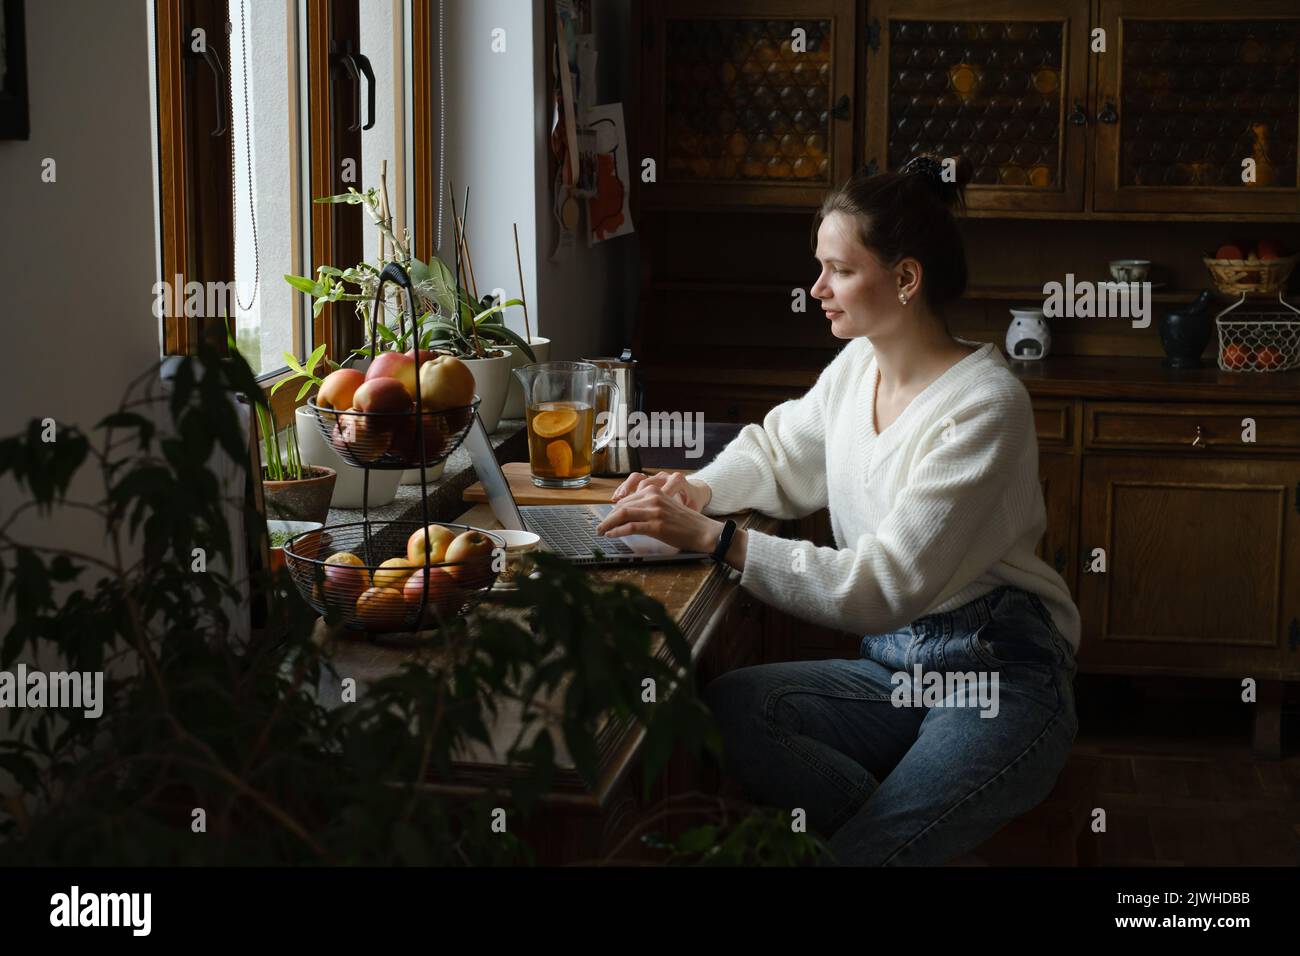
<point>927,166</point>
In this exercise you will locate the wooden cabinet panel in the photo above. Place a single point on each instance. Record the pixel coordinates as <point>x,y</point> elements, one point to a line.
<point>1202,559</point>
<point>996,82</point>
<point>1054,422</point>
<point>1059,477</point>
<point>1191,428</point>
<point>747,102</point>
<point>1190,89</point>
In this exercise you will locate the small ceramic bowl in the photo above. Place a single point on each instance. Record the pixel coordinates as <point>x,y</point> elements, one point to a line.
<point>280,531</point>
<point>518,545</point>
<point>1130,270</point>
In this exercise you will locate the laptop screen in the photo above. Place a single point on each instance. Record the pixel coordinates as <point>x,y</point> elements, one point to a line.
<point>494,480</point>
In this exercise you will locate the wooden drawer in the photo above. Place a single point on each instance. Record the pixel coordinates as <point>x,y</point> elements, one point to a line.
<point>1054,422</point>
<point>1176,427</point>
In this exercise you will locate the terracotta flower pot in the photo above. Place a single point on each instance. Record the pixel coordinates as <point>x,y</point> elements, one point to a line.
<point>307,499</point>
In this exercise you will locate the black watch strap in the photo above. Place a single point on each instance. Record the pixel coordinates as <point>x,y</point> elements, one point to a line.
<point>724,541</point>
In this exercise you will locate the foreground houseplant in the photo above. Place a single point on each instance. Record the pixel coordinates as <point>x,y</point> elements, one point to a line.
<point>207,730</point>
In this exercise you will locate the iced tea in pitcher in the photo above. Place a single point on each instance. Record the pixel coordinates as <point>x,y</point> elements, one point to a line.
<point>560,398</point>
<point>559,440</point>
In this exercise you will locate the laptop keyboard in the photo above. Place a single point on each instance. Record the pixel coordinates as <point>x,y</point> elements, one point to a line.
<point>571,531</point>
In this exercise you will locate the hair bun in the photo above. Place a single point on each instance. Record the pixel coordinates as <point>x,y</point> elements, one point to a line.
<point>948,175</point>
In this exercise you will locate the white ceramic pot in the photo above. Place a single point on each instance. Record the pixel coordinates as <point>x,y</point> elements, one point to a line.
<point>541,347</point>
<point>349,490</point>
<point>412,475</point>
<point>491,379</point>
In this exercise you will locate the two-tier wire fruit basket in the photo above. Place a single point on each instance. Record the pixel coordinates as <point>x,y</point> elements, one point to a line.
<point>395,575</point>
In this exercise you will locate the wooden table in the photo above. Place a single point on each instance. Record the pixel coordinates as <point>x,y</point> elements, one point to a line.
<point>721,624</point>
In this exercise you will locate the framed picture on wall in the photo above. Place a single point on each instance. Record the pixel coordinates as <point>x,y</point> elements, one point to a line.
<point>14,122</point>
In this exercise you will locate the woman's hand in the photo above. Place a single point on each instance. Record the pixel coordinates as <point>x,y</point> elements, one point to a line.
<point>694,494</point>
<point>652,509</point>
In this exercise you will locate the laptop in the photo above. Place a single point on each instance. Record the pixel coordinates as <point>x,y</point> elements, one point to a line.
<point>567,530</point>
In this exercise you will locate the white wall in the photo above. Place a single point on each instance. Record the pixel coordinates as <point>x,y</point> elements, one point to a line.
<point>498,130</point>
<point>79,254</point>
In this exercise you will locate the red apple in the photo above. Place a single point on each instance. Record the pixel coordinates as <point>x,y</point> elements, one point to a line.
<point>445,596</point>
<point>471,552</point>
<point>382,609</point>
<point>1230,251</point>
<point>445,382</point>
<point>382,395</point>
<point>346,578</point>
<point>440,539</point>
<point>394,365</point>
<point>359,438</point>
<point>1269,357</point>
<point>1269,249</point>
<point>338,388</point>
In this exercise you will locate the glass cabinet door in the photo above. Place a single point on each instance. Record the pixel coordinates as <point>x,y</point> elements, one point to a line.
<point>1193,96</point>
<point>747,102</point>
<point>1002,83</point>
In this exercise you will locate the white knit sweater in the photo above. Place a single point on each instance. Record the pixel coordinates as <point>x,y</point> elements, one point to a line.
<point>940,508</point>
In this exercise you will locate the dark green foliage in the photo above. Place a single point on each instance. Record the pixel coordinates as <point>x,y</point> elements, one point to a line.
<point>252,730</point>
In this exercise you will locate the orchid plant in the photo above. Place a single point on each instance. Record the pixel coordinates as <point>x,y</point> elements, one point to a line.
<point>450,320</point>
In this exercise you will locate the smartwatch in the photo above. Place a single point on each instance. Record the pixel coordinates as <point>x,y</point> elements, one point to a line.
<point>724,541</point>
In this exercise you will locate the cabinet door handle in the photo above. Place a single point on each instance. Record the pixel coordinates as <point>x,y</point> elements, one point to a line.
<point>1077,116</point>
<point>1108,114</point>
<point>841,111</point>
<point>1199,442</point>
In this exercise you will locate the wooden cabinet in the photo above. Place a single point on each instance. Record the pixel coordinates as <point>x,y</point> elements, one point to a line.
<point>1188,91</point>
<point>746,101</point>
<point>1202,563</point>
<point>1162,120</point>
<point>1004,83</point>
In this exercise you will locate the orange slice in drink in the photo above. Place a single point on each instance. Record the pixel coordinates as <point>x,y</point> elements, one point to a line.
<point>560,455</point>
<point>554,422</point>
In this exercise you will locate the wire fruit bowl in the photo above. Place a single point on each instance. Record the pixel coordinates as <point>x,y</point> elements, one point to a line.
<point>368,596</point>
<point>390,441</point>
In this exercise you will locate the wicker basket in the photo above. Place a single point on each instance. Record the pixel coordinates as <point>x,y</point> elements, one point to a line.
<point>1240,276</point>
<point>350,592</point>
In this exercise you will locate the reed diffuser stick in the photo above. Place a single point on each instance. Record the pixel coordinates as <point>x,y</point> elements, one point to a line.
<point>519,262</point>
<point>459,237</point>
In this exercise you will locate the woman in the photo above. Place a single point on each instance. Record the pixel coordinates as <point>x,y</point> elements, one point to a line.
<point>923,448</point>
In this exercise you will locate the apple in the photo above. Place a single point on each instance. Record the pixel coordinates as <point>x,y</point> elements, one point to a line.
<point>339,388</point>
<point>394,572</point>
<point>437,436</point>
<point>445,596</point>
<point>1237,356</point>
<point>346,578</point>
<point>472,551</point>
<point>360,439</point>
<point>1269,249</point>
<point>1269,357</point>
<point>440,540</point>
<point>382,395</point>
<point>394,365</point>
<point>382,608</point>
<point>445,382</point>
<point>1230,251</point>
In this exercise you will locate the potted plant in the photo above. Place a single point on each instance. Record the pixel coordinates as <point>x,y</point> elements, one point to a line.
<point>293,491</point>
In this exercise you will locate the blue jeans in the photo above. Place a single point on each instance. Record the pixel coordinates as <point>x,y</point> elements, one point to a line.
<point>890,777</point>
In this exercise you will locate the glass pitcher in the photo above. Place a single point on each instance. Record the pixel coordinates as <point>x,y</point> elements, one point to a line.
<point>560,409</point>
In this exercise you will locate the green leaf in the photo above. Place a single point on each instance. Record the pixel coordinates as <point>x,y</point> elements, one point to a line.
<point>303,284</point>
<point>306,387</point>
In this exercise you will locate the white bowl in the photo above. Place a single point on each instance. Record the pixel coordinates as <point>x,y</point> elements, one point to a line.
<point>1130,270</point>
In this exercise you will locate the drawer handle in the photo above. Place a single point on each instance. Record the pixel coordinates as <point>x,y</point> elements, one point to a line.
<point>1198,441</point>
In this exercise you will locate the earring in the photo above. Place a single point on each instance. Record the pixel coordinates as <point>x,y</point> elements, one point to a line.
<point>902,297</point>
